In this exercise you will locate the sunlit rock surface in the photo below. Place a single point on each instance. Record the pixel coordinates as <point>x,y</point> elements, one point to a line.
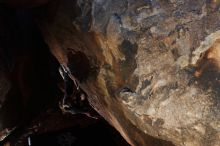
<point>150,68</point>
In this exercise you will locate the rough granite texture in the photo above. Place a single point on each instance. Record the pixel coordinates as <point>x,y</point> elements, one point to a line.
<point>149,67</point>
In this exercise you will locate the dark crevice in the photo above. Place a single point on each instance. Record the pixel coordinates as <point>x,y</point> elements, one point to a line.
<point>79,65</point>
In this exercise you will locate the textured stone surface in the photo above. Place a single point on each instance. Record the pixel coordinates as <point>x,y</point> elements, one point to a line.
<point>149,67</point>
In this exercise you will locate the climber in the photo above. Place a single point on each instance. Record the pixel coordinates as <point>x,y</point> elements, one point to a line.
<point>78,103</point>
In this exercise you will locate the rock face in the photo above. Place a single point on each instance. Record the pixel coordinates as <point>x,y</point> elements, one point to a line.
<point>148,67</point>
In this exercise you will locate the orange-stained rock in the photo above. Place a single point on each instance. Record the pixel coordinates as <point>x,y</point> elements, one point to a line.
<point>145,74</point>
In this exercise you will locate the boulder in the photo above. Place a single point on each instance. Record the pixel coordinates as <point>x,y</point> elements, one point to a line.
<point>150,68</point>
